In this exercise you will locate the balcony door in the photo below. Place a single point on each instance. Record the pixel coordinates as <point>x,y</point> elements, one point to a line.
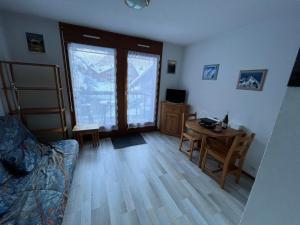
<point>112,79</point>
<point>93,76</point>
<point>142,74</point>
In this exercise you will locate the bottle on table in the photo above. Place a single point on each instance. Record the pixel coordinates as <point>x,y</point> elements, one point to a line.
<point>225,122</point>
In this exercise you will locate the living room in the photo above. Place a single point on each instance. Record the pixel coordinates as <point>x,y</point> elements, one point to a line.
<point>159,62</point>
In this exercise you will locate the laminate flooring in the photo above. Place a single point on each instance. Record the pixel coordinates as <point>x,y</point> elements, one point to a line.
<point>150,184</point>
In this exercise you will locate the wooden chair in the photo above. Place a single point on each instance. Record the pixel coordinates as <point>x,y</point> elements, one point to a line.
<point>188,135</point>
<point>230,160</point>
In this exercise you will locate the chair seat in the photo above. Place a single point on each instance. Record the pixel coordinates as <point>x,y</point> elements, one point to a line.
<point>215,144</point>
<point>218,155</point>
<point>191,135</point>
<point>217,149</point>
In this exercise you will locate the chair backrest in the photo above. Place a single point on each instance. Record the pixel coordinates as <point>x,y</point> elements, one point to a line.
<point>185,117</point>
<point>239,148</point>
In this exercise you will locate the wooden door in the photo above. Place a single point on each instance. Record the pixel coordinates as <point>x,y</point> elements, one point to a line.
<point>172,123</point>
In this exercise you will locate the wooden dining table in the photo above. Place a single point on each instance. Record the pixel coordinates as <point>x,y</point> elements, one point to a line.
<point>228,134</point>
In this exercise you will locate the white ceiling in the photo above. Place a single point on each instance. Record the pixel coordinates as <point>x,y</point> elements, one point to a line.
<point>178,21</point>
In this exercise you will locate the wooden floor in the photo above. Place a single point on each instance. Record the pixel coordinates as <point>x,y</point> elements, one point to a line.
<point>149,184</point>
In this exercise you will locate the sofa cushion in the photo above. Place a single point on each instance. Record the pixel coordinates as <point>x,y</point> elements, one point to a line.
<point>4,174</point>
<point>70,149</point>
<point>23,158</point>
<point>18,147</point>
<point>40,196</point>
<point>11,133</point>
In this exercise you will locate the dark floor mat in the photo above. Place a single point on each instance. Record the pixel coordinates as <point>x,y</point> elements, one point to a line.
<point>127,141</point>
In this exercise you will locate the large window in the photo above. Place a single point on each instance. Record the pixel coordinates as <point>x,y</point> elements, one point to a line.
<point>141,88</point>
<point>93,75</point>
<point>112,79</point>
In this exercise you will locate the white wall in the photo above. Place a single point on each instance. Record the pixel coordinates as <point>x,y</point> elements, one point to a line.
<point>269,45</point>
<point>17,24</point>
<point>3,44</point>
<point>170,52</point>
<point>4,55</point>
<point>275,196</point>
<point>15,27</point>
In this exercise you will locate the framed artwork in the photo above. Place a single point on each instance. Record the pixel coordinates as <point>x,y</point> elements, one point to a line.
<point>171,66</point>
<point>252,80</point>
<point>210,72</point>
<point>35,42</point>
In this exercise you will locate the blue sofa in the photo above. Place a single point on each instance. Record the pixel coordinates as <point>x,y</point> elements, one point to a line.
<point>34,178</point>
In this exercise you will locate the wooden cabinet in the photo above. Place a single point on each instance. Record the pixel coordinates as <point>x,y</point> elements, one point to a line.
<point>171,116</point>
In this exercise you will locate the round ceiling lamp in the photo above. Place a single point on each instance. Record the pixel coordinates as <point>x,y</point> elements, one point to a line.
<point>137,4</point>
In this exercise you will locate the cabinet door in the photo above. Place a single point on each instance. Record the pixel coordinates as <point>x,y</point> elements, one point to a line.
<point>172,123</point>
<point>163,118</point>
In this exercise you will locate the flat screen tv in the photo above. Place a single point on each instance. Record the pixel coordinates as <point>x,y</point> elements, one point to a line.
<point>295,77</point>
<point>176,96</point>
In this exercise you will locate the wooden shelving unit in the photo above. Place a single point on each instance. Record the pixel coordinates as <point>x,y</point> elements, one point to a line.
<point>51,130</point>
<point>38,111</point>
<point>38,88</point>
<point>13,93</point>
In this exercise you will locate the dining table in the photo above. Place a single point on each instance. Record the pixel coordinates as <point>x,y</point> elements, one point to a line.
<point>227,134</point>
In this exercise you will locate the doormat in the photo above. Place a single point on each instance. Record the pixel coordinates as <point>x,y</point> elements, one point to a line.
<point>128,140</point>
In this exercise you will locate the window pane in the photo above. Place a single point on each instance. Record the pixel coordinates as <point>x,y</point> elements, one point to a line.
<point>93,75</point>
<point>142,81</point>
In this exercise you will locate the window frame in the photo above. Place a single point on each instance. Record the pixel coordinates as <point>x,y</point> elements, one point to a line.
<point>70,33</point>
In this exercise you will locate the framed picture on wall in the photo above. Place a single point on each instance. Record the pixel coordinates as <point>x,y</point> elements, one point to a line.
<point>252,80</point>
<point>171,67</point>
<point>210,72</point>
<point>35,42</point>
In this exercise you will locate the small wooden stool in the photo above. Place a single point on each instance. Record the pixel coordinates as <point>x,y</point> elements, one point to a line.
<point>80,131</point>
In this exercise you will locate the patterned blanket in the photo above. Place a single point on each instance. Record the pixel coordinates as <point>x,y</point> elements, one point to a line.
<point>39,197</point>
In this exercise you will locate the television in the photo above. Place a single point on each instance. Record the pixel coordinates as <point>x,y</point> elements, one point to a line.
<point>176,96</point>
<point>295,77</point>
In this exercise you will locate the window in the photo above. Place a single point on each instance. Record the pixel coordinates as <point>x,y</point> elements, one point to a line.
<point>113,79</point>
<point>141,88</point>
<point>93,75</point>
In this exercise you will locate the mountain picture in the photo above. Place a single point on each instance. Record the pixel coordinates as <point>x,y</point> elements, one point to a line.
<point>210,72</point>
<point>252,79</point>
<point>35,42</point>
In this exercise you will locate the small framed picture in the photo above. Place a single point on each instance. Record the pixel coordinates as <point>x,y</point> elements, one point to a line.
<point>210,72</point>
<point>35,42</point>
<point>252,80</point>
<point>171,66</point>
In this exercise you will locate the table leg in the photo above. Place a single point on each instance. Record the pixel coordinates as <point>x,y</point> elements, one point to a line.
<point>94,141</point>
<point>80,140</point>
<point>76,136</point>
<point>98,138</point>
<point>202,149</point>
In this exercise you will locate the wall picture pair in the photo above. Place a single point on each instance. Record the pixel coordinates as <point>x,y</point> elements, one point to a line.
<point>248,79</point>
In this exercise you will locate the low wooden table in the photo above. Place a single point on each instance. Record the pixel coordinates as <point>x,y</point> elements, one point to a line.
<point>205,132</point>
<point>80,131</point>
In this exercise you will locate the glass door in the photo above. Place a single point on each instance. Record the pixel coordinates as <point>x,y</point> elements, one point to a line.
<point>93,77</point>
<point>142,74</point>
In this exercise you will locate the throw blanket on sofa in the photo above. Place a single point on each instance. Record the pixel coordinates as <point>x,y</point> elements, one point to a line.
<point>37,197</point>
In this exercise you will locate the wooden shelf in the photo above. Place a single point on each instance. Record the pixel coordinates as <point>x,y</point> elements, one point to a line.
<point>41,88</point>
<point>37,111</point>
<point>50,130</point>
<point>14,90</point>
<point>28,64</point>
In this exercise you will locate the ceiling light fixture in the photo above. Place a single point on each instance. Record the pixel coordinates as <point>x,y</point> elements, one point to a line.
<point>137,4</point>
